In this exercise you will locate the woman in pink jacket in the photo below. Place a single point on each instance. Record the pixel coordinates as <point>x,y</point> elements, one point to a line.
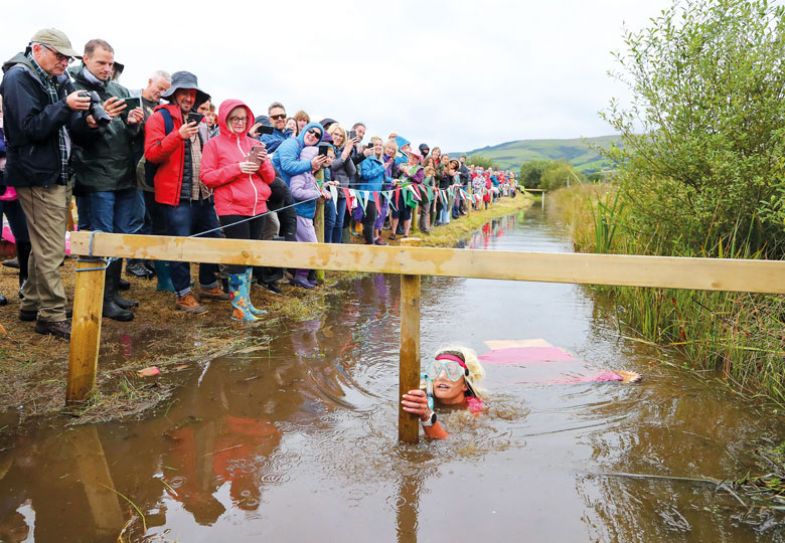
<point>236,167</point>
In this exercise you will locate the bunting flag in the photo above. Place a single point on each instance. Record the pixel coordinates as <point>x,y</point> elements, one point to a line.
<point>351,198</point>
<point>415,192</point>
<point>377,201</point>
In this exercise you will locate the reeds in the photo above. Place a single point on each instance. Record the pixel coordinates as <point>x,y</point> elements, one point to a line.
<point>737,336</point>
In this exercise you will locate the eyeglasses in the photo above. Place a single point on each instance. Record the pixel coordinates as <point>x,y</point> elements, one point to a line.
<point>452,369</point>
<point>315,133</point>
<point>60,57</point>
<point>280,117</point>
<point>237,119</point>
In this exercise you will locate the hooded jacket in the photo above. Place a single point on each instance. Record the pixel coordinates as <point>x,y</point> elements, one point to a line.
<point>372,174</point>
<point>304,187</point>
<point>103,160</point>
<point>274,140</point>
<point>235,192</point>
<point>32,124</point>
<point>168,151</point>
<point>287,159</point>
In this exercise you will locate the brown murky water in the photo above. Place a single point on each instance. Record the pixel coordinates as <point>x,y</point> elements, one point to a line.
<point>297,441</point>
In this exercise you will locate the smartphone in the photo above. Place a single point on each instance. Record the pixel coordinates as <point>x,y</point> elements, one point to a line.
<point>265,130</point>
<point>133,102</point>
<point>352,134</point>
<point>323,150</point>
<point>195,117</point>
<point>253,155</point>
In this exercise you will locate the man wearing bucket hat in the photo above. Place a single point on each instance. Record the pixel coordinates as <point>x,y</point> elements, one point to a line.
<point>172,143</point>
<point>41,111</point>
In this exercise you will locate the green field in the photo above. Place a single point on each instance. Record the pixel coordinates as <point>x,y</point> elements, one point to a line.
<point>579,152</point>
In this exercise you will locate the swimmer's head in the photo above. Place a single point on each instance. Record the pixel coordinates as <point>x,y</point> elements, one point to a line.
<point>472,372</point>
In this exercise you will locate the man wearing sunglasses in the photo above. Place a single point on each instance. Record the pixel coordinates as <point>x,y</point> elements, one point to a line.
<point>277,114</point>
<point>42,110</point>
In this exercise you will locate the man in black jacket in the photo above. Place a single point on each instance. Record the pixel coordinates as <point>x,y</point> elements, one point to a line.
<point>41,108</point>
<point>104,166</point>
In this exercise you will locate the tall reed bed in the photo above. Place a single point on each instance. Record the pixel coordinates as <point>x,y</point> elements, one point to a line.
<point>738,336</point>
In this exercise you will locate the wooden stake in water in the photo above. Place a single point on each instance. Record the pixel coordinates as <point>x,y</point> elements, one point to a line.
<point>409,379</point>
<point>85,329</point>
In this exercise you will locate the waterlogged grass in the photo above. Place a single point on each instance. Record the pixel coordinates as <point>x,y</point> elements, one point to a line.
<point>739,337</point>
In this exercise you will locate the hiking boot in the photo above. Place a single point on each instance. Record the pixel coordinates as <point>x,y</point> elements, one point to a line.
<point>189,304</point>
<point>214,293</point>
<point>138,269</point>
<point>122,284</point>
<point>60,329</point>
<point>273,287</point>
<point>11,263</point>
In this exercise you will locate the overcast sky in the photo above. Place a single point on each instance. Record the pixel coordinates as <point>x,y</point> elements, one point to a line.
<point>461,74</point>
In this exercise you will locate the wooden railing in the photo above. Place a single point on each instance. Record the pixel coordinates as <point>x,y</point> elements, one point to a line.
<point>410,263</point>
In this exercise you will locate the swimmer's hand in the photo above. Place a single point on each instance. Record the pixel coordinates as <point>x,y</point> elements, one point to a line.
<point>416,402</point>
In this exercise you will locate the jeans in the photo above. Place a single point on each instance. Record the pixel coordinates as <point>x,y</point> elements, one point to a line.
<point>118,211</point>
<point>191,217</point>
<point>329,219</point>
<point>336,236</point>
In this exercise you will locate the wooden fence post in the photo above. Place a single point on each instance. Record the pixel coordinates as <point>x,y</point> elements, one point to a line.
<point>85,329</point>
<point>409,378</point>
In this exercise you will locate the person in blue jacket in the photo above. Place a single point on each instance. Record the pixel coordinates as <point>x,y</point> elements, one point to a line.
<point>276,114</point>
<point>372,177</point>
<point>287,160</point>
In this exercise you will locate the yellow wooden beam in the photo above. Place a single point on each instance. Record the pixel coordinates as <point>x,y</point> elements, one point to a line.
<point>409,374</point>
<point>624,270</point>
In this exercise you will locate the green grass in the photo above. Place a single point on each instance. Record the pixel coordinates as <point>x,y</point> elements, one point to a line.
<point>579,152</point>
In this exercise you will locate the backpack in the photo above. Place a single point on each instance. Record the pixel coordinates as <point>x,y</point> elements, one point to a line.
<point>149,168</point>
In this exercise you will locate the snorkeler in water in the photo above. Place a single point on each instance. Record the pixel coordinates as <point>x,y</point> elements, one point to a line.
<point>449,380</point>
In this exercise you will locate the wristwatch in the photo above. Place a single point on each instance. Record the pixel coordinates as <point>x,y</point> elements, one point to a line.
<point>431,421</point>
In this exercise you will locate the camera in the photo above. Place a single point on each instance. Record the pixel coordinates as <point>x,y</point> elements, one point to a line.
<point>96,108</point>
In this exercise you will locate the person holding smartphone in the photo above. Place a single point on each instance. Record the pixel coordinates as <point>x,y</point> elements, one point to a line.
<point>172,143</point>
<point>236,167</point>
<point>343,172</point>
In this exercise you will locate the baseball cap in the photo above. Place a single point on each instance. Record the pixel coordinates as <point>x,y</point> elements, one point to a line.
<point>56,39</point>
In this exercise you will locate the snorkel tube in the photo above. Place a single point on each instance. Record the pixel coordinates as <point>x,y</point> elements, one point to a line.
<point>426,384</point>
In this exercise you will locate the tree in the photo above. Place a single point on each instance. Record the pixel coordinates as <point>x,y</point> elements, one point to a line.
<point>531,173</point>
<point>483,162</point>
<point>703,152</point>
<point>559,174</point>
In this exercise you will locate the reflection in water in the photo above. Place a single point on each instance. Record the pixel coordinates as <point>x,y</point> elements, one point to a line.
<point>297,442</point>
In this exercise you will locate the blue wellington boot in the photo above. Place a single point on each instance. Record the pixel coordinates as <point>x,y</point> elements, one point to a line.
<point>241,310</point>
<point>164,277</point>
<point>246,289</point>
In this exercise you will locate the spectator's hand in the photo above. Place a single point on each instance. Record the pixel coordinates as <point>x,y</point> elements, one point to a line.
<point>249,167</point>
<point>136,116</point>
<point>115,106</point>
<point>416,402</point>
<point>188,130</point>
<point>76,102</point>
<point>368,151</point>
<point>254,131</point>
<point>318,161</point>
<point>262,154</point>
<point>326,194</point>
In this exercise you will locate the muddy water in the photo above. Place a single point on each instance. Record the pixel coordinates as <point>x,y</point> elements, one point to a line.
<point>296,441</point>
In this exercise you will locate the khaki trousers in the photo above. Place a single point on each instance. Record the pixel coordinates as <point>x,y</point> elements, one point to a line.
<point>45,210</point>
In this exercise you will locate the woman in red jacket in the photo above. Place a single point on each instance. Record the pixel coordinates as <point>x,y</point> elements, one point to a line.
<point>236,167</point>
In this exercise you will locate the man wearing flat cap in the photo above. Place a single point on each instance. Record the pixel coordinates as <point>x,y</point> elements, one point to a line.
<point>41,112</point>
<point>172,143</point>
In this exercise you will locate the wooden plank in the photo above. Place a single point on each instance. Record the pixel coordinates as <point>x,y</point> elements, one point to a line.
<point>625,270</point>
<point>85,329</point>
<point>409,375</point>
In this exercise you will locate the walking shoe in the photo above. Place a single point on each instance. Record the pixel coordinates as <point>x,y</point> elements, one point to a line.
<point>392,236</point>
<point>60,329</point>
<point>138,269</point>
<point>214,293</point>
<point>189,304</point>
<point>379,241</point>
<point>11,263</point>
<point>300,281</point>
<point>29,315</point>
<point>3,300</point>
<point>273,287</point>
<point>122,284</point>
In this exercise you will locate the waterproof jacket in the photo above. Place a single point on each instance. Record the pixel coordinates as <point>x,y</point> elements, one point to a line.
<point>372,174</point>
<point>274,140</point>
<point>287,159</point>
<point>103,159</point>
<point>304,188</point>
<point>235,192</point>
<point>32,125</point>
<point>168,151</point>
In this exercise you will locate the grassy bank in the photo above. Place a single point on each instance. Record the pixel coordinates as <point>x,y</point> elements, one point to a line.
<point>738,337</point>
<point>33,368</point>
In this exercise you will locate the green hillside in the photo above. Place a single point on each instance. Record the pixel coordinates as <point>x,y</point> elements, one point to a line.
<point>578,152</point>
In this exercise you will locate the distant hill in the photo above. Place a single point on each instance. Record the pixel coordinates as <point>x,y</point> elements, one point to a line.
<point>578,152</point>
